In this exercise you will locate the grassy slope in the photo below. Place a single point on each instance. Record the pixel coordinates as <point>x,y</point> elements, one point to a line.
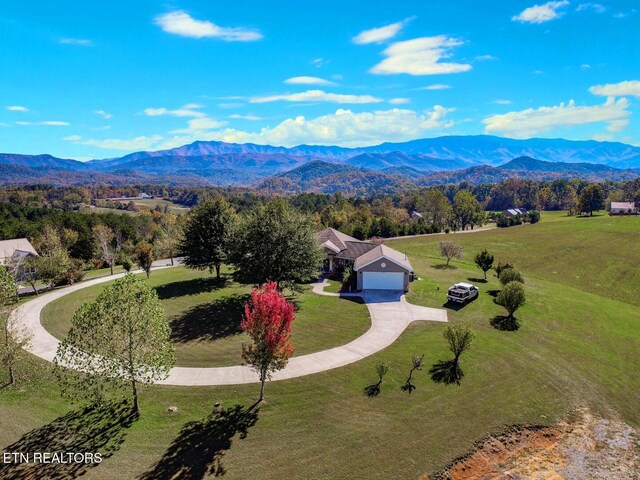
<point>573,348</point>
<point>205,316</point>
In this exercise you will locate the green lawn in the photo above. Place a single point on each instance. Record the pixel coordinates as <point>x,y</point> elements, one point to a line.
<point>578,345</point>
<point>205,317</point>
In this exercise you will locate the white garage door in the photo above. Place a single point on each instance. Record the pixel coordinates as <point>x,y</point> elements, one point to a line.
<point>382,281</point>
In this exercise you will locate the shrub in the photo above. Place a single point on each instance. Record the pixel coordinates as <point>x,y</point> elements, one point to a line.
<point>533,216</point>
<point>127,264</point>
<point>511,297</point>
<point>501,266</point>
<point>508,275</point>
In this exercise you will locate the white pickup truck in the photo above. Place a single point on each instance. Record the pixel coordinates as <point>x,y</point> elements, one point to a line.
<point>462,293</point>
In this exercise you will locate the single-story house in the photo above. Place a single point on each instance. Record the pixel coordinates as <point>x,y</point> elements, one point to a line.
<point>514,212</point>
<point>18,247</point>
<point>416,215</point>
<point>377,266</point>
<point>622,208</point>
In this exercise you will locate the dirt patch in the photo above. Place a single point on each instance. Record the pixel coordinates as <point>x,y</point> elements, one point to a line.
<point>581,447</point>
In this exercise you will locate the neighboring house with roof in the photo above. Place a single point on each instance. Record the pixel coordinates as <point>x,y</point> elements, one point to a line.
<point>416,215</point>
<point>16,248</point>
<point>622,208</point>
<point>378,267</point>
<point>514,212</point>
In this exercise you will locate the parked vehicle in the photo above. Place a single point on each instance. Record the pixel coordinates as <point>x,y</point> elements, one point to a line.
<point>462,293</point>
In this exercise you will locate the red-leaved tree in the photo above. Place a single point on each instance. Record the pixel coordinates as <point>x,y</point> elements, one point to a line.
<point>267,320</point>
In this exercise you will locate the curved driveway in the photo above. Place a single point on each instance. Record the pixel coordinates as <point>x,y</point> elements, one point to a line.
<point>390,315</point>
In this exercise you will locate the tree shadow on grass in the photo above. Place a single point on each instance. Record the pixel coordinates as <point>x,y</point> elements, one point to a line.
<point>200,446</point>
<point>447,372</point>
<point>91,429</point>
<point>493,293</point>
<point>503,323</point>
<point>210,321</point>
<point>194,286</point>
<point>477,280</point>
<point>444,266</point>
<point>372,390</point>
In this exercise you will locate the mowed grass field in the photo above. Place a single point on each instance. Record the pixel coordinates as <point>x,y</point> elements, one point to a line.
<point>578,344</point>
<point>205,316</point>
<point>143,205</point>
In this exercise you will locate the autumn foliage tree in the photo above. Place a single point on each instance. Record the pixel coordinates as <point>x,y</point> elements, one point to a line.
<point>267,320</point>
<point>450,250</point>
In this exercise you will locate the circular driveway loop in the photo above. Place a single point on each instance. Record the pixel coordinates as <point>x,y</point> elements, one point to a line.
<point>390,315</point>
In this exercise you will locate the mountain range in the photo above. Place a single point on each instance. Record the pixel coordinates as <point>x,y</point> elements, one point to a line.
<point>389,166</point>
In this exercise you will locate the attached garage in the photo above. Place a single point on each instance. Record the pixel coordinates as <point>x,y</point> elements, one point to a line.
<point>383,280</point>
<point>383,268</point>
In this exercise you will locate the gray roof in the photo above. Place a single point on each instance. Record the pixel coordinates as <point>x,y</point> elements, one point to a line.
<point>337,238</point>
<point>355,249</point>
<point>382,251</point>
<point>20,245</point>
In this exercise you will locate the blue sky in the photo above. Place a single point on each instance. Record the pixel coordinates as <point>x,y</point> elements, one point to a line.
<point>102,79</point>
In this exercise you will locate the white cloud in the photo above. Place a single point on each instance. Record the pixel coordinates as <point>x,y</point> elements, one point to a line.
<point>595,7</point>
<point>103,114</point>
<point>316,96</point>
<point>319,62</point>
<point>303,80</point>
<point>181,23</point>
<point>343,127</point>
<point>541,13</point>
<point>188,110</point>
<point>83,42</point>
<point>437,86</point>
<point>50,123</point>
<point>633,11</point>
<point>585,66</point>
<point>420,56</point>
<point>502,102</point>
<point>629,87</point>
<point>530,122</point>
<point>399,101</point>
<point>603,137</point>
<point>197,125</point>
<point>485,58</point>
<point>380,34</point>
<point>231,105</point>
<point>252,118</point>
<point>17,108</point>
<point>137,143</point>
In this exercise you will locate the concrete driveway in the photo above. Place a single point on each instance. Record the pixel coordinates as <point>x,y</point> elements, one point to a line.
<point>390,315</point>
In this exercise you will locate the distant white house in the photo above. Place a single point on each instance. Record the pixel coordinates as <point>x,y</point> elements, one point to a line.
<point>16,248</point>
<point>141,196</point>
<point>416,215</point>
<point>622,208</point>
<point>514,212</point>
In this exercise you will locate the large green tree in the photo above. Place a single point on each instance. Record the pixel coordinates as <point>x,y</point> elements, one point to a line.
<point>435,207</point>
<point>119,339</point>
<point>275,242</point>
<point>467,211</point>
<point>207,235</point>
<point>592,198</point>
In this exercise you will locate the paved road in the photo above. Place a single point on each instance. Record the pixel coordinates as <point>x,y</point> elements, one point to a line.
<point>158,263</point>
<point>475,230</point>
<point>390,315</point>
